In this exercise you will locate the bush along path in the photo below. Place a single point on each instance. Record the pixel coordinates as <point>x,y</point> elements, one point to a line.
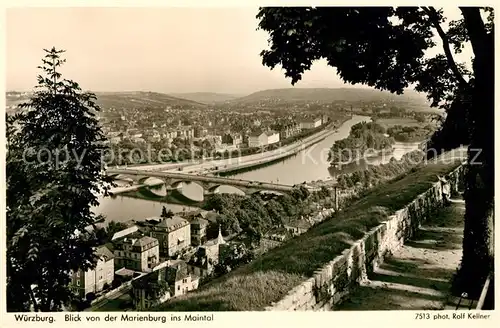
<point>418,276</point>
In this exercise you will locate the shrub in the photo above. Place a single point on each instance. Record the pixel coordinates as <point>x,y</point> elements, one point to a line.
<point>116,283</point>
<point>90,297</point>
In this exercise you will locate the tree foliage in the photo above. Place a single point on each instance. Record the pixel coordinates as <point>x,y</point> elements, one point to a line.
<point>166,213</point>
<point>410,133</point>
<point>385,47</point>
<point>363,137</point>
<point>234,256</point>
<point>54,177</point>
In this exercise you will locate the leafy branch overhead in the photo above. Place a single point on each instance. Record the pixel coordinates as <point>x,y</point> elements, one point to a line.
<point>382,47</point>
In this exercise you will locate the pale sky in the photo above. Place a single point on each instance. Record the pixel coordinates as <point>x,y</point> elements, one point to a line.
<point>150,49</point>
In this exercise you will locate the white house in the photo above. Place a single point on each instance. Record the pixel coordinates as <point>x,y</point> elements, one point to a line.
<point>259,139</point>
<point>272,137</point>
<point>311,124</point>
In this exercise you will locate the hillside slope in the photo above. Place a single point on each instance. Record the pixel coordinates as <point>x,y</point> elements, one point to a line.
<point>141,99</point>
<point>206,97</point>
<point>413,100</point>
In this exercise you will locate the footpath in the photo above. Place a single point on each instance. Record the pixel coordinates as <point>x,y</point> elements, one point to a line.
<point>418,275</point>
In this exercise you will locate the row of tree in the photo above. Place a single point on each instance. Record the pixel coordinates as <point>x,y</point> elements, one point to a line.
<point>376,174</point>
<point>256,214</point>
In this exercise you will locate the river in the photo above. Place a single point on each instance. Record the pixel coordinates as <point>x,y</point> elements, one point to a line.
<point>308,165</point>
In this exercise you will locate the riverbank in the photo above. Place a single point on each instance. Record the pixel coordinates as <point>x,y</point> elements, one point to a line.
<point>389,151</point>
<point>233,164</point>
<point>281,154</point>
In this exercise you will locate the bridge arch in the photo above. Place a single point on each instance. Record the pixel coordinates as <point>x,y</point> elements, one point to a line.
<point>212,188</point>
<point>143,179</point>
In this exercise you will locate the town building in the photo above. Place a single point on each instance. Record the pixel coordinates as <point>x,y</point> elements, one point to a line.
<point>272,137</point>
<point>135,251</point>
<point>170,135</point>
<point>173,234</point>
<point>311,123</point>
<point>290,131</point>
<point>259,138</point>
<point>198,231</point>
<point>200,132</point>
<point>210,216</point>
<point>297,226</point>
<point>95,280</point>
<point>202,263</point>
<point>170,279</point>
<point>180,280</point>
<point>232,139</point>
<point>150,290</point>
<point>274,237</point>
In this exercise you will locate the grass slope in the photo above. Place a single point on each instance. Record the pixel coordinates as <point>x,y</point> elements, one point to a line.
<point>270,277</point>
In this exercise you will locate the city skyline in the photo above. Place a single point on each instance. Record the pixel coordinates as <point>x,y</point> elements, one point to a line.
<point>218,52</point>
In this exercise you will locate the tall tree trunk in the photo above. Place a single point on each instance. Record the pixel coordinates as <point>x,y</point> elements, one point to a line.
<point>477,259</point>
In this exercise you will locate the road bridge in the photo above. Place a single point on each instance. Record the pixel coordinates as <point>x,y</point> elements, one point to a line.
<point>208,183</point>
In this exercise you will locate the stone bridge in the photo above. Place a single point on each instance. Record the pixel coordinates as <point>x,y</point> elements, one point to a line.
<point>208,183</point>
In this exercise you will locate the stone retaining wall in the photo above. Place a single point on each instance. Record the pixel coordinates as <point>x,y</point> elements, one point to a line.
<point>332,283</point>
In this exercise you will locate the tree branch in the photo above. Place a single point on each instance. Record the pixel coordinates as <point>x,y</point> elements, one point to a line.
<point>475,28</point>
<point>446,45</point>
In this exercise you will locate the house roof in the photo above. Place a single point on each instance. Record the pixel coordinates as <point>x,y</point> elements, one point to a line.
<point>173,223</point>
<point>176,271</point>
<point>141,242</point>
<point>199,221</point>
<point>124,272</point>
<point>125,232</point>
<point>311,120</point>
<point>208,215</point>
<point>256,134</point>
<point>145,280</point>
<point>302,224</point>
<point>110,246</point>
<point>270,133</point>
<point>104,252</point>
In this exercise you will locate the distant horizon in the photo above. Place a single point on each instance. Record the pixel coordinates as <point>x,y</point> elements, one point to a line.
<point>346,86</point>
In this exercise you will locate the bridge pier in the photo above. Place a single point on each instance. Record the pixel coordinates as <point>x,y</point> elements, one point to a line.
<point>167,182</point>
